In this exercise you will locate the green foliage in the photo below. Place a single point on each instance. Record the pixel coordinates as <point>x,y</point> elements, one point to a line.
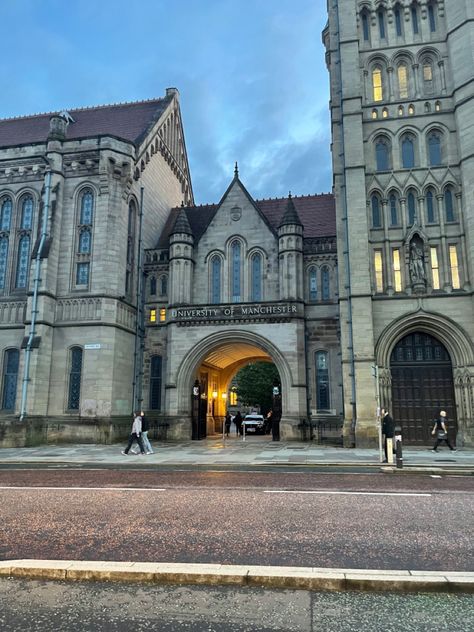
<point>255,384</point>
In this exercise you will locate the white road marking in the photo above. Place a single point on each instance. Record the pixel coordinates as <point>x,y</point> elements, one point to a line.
<point>435,476</point>
<point>338,493</point>
<point>88,489</point>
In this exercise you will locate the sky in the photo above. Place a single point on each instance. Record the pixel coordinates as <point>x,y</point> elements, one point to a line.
<point>251,76</point>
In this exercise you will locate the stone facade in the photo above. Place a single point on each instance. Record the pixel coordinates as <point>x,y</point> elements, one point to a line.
<point>402,108</point>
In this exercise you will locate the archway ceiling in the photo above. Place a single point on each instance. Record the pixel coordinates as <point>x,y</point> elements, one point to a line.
<point>233,352</point>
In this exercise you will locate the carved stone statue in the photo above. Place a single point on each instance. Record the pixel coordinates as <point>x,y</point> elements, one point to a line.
<point>417,264</point>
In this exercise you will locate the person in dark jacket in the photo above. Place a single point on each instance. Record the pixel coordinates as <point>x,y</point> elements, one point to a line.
<point>238,423</point>
<point>388,430</point>
<point>145,429</point>
<point>228,422</point>
<point>441,431</point>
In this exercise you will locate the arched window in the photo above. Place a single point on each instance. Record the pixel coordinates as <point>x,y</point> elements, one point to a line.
<point>377,84</point>
<point>85,241</point>
<point>325,289</point>
<point>393,210</point>
<point>376,211</point>
<point>449,204</point>
<point>381,20</point>
<point>430,207</point>
<point>87,208</point>
<point>3,261</point>
<point>382,154</point>
<point>312,284</point>
<point>414,19</point>
<point>428,85</point>
<point>236,257</point>
<point>156,364</point>
<point>256,272</point>
<point>375,113</point>
<point>411,207</point>
<point>22,266</point>
<point>402,74</point>
<point>411,109</point>
<point>432,17</point>
<point>322,381</point>
<point>398,21</point>
<point>408,152</point>
<point>152,286</point>
<point>365,26</point>
<point>6,214</point>
<point>132,213</point>
<point>163,285</point>
<point>434,149</point>
<point>10,376</point>
<point>27,213</point>
<point>215,279</point>
<point>75,375</point>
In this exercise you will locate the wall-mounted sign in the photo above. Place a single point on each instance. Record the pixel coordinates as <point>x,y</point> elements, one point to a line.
<point>237,311</point>
<point>93,345</point>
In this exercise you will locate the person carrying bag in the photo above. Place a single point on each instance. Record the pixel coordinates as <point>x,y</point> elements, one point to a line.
<point>439,429</point>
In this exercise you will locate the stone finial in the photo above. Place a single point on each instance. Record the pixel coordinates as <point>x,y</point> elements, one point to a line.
<point>236,170</point>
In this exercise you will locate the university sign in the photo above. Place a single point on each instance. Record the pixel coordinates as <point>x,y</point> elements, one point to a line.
<point>236,311</point>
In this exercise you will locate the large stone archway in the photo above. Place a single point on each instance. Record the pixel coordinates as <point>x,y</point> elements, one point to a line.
<point>460,349</point>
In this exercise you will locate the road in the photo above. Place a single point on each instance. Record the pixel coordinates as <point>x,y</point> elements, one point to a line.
<point>373,521</point>
<point>39,606</point>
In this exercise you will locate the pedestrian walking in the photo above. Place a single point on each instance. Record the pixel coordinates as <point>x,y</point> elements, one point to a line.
<point>441,432</point>
<point>227,422</point>
<point>135,434</point>
<point>388,431</point>
<point>238,423</point>
<point>145,429</point>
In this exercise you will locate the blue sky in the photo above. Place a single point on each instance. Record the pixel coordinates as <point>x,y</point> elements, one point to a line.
<point>251,75</point>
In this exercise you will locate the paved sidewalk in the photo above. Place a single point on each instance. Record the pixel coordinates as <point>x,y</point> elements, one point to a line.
<point>256,451</point>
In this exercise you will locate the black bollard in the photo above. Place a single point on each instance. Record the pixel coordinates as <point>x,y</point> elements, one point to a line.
<point>398,447</point>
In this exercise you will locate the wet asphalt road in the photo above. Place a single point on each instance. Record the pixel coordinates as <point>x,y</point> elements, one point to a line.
<point>39,606</point>
<point>356,521</point>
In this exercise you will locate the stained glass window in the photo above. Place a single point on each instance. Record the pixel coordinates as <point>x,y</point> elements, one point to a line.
<point>75,373</point>
<point>87,207</point>
<point>256,277</point>
<point>22,266</point>
<point>85,241</point>
<point>3,261</point>
<point>322,381</point>
<point>27,213</point>
<point>408,152</point>
<point>313,284</point>
<point>10,376</point>
<point>82,274</point>
<point>325,291</point>
<point>236,258</point>
<point>215,279</point>
<point>382,155</point>
<point>434,149</point>
<point>6,214</point>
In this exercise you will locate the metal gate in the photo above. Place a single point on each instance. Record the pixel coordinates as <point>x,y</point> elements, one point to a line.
<point>422,385</point>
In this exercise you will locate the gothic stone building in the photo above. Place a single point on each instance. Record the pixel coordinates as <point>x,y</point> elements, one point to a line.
<point>402,113</point>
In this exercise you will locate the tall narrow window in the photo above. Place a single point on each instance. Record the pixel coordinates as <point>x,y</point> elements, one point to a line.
<point>378,267</point>
<point>402,73</point>
<point>85,241</point>
<point>87,207</point>
<point>313,284</point>
<point>82,273</point>
<point>236,271</point>
<point>27,213</point>
<point>155,382</point>
<point>3,261</point>
<point>434,149</point>
<point>6,214</point>
<point>75,375</point>
<point>325,287</point>
<point>408,152</point>
<point>376,212</point>
<point>22,266</point>
<point>454,267</point>
<point>414,19</point>
<point>10,378</point>
<point>163,285</point>
<point>432,18</point>
<point>430,210</point>
<point>428,77</point>
<point>411,202</point>
<point>393,210</point>
<point>215,279</point>
<point>448,204</point>
<point>434,267</point>
<point>84,237</point>
<point>152,286</point>
<point>381,18</point>
<point>377,86</point>
<point>398,21</point>
<point>365,26</point>
<point>382,155</point>
<point>130,248</point>
<point>322,381</point>
<point>397,273</point>
<point>256,271</point>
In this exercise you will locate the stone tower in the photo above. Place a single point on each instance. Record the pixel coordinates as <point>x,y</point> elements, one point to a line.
<point>402,106</point>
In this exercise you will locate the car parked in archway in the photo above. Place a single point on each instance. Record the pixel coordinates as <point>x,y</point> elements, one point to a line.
<point>254,423</point>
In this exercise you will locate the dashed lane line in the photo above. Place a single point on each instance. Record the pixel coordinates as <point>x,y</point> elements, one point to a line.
<point>343,493</point>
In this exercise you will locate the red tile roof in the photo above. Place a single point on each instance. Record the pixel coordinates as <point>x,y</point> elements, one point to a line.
<point>316,212</point>
<point>128,121</point>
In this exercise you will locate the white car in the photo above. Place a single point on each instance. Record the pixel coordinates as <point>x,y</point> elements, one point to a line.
<point>253,423</point>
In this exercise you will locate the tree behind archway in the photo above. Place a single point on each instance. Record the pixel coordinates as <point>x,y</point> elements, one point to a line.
<point>255,385</point>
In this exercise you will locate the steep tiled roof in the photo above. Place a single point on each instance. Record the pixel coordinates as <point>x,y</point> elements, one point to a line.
<point>128,121</point>
<point>316,212</point>
<point>290,216</point>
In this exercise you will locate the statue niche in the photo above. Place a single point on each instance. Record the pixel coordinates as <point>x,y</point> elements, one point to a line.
<point>416,263</point>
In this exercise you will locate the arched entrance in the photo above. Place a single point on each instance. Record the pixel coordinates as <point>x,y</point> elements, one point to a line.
<point>422,385</point>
